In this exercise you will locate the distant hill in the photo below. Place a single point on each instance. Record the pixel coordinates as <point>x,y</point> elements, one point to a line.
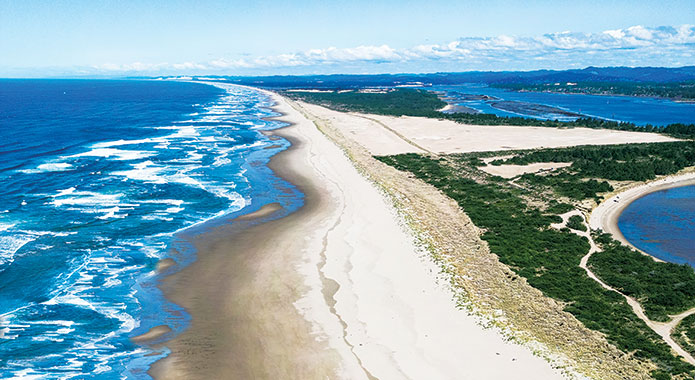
<point>589,74</point>
<point>606,74</point>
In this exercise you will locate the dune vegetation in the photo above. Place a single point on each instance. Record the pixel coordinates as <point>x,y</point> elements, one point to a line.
<point>516,217</point>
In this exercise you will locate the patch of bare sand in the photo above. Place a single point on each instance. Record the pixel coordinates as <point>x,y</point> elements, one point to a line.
<point>511,171</point>
<point>382,135</point>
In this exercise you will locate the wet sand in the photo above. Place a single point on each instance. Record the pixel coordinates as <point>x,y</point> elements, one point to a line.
<point>240,293</point>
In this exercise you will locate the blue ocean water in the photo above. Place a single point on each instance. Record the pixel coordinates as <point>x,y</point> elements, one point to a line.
<point>662,224</point>
<point>638,110</point>
<point>97,179</point>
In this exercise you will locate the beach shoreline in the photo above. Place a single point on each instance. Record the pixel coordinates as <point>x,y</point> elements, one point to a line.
<point>337,289</point>
<point>605,216</point>
<point>238,320</point>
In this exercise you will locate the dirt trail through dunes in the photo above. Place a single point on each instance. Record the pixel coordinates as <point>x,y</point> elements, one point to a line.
<point>664,329</point>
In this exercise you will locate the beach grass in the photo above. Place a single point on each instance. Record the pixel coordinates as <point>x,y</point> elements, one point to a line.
<point>517,228</point>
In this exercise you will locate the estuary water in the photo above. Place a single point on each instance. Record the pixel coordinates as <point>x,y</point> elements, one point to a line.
<point>97,178</point>
<point>638,110</point>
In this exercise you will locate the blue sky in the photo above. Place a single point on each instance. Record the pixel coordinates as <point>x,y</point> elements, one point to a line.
<point>115,38</point>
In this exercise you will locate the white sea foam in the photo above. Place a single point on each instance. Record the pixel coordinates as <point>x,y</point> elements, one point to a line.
<point>184,132</point>
<point>49,167</point>
<point>143,171</point>
<point>64,331</point>
<point>110,213</point>
<point>193,157</point>
<point>51,233</point>
<point>151,173</point>
<point>184,179</point>
<point>175,202</point>
<point>54,322</point>
<point>118,154</point>
<point>109,144</point>
<point>9,245</point>
<point>221,160</point>
<point>44,338</point>
<point>69,299</point>
<point>71,197</point>
<point>27,374</point>
<point>6,226</point>
<point>54,166</point>
<point>157,217</point>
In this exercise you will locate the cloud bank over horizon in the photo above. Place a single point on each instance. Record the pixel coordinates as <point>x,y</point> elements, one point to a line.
<point>633,46</point>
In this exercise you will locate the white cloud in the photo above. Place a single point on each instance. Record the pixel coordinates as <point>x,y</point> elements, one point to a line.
<point>629,46</point>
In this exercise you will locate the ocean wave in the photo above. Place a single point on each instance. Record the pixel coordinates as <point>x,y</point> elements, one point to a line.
<point>133,194</point>
<point>9,245</point>
<point>70,197</point>
<point>117,154</point>
<point>175,202</point>
<point>109,144</point>
<point>49,167</point>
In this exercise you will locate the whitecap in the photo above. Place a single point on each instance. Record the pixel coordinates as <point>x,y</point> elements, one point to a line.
<point>43,338</point>
<point>55,166</point>
<point>9,245</point>
<point>27,374</point>
<point>221,160</point>
<point>6,226</point>
<point>156,217</point>
<point>51,233</point>
<point>49,167</point>
<point>64,331</point>
<point>175,202</point>
<point>118,154</point>
<point>184,179</point>
<point>110,213</point>
<point>143,171</point>
<point>54,322</point>
<point>69,299</point>
<point>70,197</point>
<point>109,144</point>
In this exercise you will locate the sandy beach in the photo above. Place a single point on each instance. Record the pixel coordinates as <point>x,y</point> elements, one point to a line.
<point>339,289</point>
<point>605,215</point>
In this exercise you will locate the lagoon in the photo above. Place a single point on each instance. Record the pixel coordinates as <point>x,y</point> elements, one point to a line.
<point>662,224</point>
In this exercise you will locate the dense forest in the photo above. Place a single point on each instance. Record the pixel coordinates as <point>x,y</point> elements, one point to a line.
<point>662,289</point>
<point>399,102</point>
<point>519,232</point>
<point>411,102</point>
<point>677,90</point>
<point>684,334</point>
